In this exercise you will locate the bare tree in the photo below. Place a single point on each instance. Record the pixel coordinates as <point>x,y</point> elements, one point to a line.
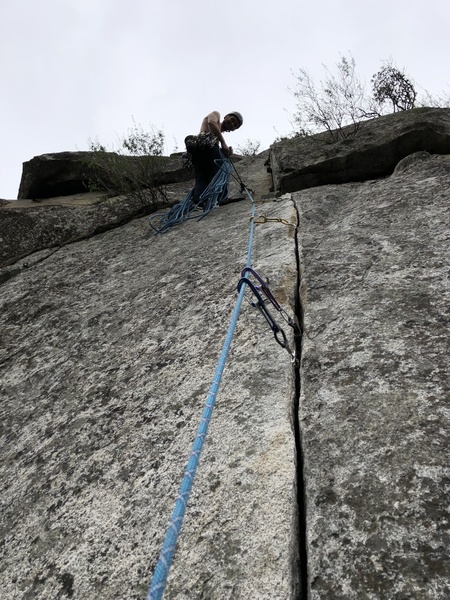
<point>442,101</point>
<point>339,104</point>
<point>339,101</point>
<point>249,148</point>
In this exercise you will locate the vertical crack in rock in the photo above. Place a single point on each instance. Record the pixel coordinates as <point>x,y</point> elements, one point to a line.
<point>302,558</point>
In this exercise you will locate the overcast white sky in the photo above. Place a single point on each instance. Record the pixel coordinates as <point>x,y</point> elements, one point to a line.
<point>74,70</point>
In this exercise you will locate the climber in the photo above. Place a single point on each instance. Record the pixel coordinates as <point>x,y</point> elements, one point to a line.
<point>203,149</point>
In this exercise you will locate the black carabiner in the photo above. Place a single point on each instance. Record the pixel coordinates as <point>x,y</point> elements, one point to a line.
<point>276,329</point>
<point>264,287</point>
<point>252,286</point>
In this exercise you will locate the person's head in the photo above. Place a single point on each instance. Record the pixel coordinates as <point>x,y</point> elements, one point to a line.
<point>232,121</point>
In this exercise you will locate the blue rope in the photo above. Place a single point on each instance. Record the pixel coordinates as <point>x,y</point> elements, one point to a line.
<point>159,579</point>
<point>182,211</point>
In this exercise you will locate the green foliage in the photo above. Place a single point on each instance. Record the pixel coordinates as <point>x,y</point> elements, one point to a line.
<point>134,169</point>
<point>249,148</point>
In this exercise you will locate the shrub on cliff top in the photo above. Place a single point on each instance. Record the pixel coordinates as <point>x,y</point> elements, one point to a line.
<point>132,168</point>
<point>341,99</point>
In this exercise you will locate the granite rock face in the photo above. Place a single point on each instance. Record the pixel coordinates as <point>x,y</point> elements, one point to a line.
<point>69,173</point>
<point>27,226</point>
<point>375,150</point>
<point>325,481</point>
<point>374,407</point>
<point>108,349</point>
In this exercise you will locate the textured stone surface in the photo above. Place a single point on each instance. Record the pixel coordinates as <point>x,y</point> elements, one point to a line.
<point>108,349</point>
<point>27,226</point>
<point>374,407</point>
<point>379,145</point>
<point>68,173</point>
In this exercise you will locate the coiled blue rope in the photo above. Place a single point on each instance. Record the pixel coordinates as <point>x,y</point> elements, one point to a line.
<point>158,582</point>
<point>182,211</point>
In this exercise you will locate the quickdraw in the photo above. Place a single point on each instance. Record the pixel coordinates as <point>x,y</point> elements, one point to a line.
<point>278,332</point>
<point>264,219</point>
<point>264,287</point>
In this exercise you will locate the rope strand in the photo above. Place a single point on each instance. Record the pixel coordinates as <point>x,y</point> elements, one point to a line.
<point>159,580</point>
<point>162,222</point>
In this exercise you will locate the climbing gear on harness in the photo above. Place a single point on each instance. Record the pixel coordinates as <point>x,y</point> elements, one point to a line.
<point>202,141</point>
<point>214,195</point>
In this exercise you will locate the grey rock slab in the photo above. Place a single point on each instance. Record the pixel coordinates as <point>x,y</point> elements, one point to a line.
<point>68,173</point>
<point>108,348</point>
<point>375,149</point>
<point>374,405</point>
<point>252,172</point>
<point>27,226</point>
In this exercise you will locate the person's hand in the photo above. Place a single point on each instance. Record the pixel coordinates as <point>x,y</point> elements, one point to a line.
<point>227,150</point>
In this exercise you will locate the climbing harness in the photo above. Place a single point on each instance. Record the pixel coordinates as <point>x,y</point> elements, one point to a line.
<point>162,222</point>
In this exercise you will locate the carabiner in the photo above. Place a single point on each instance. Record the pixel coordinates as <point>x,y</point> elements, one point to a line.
<point>264,286</point>
<point>276,329</point>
